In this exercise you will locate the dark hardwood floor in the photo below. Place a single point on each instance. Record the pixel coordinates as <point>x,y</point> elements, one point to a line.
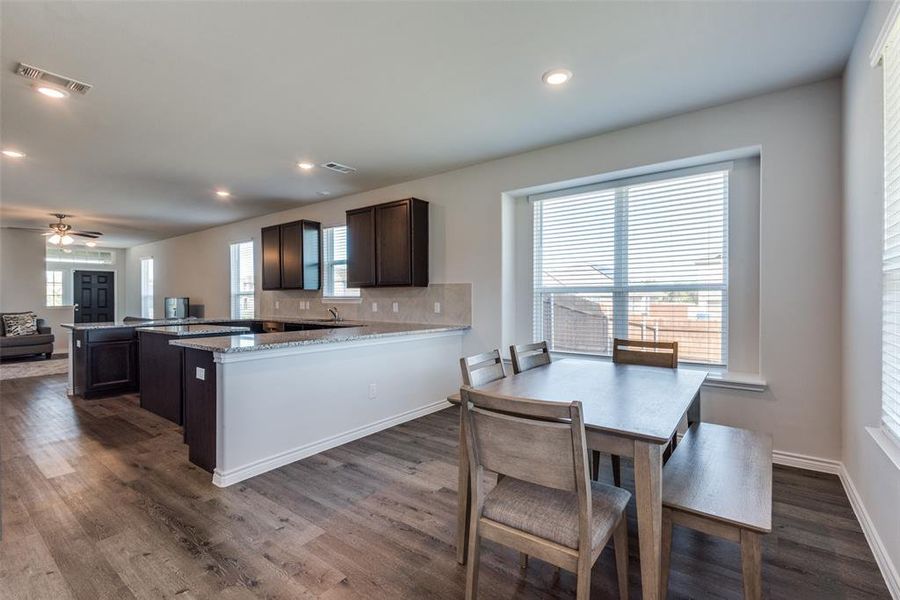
<point>99,501</point>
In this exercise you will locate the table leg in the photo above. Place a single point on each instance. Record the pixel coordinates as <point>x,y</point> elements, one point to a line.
<point>464,498</point>
<point>693,412</point>
<point>648,496</point>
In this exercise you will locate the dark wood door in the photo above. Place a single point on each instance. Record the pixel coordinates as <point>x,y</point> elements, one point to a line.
<point>393,245</point>
<point>94,293</point>
<point>291,256</point>
<point>361,247</point>
<point>271,257</point>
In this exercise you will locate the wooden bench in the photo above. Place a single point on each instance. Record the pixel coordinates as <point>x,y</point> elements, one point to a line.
<point>719,481</point>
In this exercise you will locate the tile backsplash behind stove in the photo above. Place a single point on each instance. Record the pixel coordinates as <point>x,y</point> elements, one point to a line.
<point>414,305</point>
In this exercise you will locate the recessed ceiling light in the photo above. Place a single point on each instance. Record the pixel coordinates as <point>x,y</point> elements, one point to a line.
<point>324,193</point>
<point>306,166</point>
<point>13,153</point>
<point>223,193</point>
<point>52,92</point>
<point>557,76</point>
<point>90,244</point>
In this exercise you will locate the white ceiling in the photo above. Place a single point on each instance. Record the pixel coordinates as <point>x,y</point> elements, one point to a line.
<point>190,96</point>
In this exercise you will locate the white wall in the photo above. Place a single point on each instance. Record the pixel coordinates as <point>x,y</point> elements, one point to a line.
<point>798,132</point>
<point>874,476</point>
<point>23,281</point>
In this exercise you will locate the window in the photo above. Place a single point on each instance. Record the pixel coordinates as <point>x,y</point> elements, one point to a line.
<point>242,286</point>
<point>147,287</point>
<point>336,264</point>
<point>54,288</point>
<point>644,258</point>
<point>80,256</point>
<point>890,357</point>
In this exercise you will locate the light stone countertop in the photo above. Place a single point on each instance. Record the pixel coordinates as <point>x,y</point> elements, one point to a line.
<point>204,321</point>
<point>291,339</point>
<point>194,330</point>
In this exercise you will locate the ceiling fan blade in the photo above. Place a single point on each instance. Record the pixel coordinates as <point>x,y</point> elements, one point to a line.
<point>92,232</point>
<point>84,234</point>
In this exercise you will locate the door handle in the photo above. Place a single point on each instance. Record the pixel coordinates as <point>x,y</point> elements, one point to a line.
<point>76,307</point>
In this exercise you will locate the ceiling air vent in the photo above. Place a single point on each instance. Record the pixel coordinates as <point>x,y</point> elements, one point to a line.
<point>36,74</point>
<point>339,167</point>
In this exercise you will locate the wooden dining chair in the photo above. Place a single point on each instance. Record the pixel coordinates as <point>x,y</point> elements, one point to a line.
<point>482,368</point>
<point>529,356</point>
<point>647,353</point>
<point>546,506</point>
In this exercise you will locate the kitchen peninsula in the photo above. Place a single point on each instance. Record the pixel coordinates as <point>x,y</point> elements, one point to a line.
<point>256,401</point>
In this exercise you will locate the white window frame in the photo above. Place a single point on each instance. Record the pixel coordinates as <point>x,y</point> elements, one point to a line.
<point>236,294</point>
<point>147,286</point>
<point>350,295</point>
<point>54,292</point>
<point>620,289</point>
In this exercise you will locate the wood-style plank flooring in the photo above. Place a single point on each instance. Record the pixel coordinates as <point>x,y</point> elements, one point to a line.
<point>99,501</point>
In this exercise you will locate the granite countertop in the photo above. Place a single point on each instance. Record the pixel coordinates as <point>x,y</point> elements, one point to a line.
<point>194,330</point>
<point>204,321</point>
<point>292,339</point>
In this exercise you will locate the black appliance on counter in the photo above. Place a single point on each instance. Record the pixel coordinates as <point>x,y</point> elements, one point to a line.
<point>177,308</point>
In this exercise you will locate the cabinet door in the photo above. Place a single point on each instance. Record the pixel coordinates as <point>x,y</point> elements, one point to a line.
<point>112,366</point>
<point>312,255</point>
<point>393,246</point>
<point>271,258</point>
<point>361,247</point>
<point>291,256</point>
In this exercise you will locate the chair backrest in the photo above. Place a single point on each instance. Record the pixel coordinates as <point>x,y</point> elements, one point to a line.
<point>640,352</point>
<point>482,368</point>
<point>531,440</point>
<point>529,356</point>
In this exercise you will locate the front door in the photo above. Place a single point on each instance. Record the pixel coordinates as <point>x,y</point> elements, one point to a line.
<point>94,294</point>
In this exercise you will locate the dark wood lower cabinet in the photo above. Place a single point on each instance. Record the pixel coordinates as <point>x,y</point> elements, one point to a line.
<point>160,376</point>
<point>200,407</point>
<point>106,361</point>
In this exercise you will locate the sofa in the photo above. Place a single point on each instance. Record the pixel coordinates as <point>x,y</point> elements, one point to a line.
<point>25,345</point>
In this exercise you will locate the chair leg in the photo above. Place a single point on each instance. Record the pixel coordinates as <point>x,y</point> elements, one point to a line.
<point>595,465</point>
<point>474,557</point>
<point>617,470</point>
<point>583,585</point>
<point>620,540</point>
<point>751,564</point>
<point>665,553</point>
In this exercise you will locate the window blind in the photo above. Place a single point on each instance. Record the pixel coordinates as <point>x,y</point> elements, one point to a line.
<point>242,284</point>
<point>645,258</point>
<point>147,287</point>
<point>890,352</point>
<point>336,264</point>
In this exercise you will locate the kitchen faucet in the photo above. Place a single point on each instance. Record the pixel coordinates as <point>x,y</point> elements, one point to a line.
<point>334,314</point>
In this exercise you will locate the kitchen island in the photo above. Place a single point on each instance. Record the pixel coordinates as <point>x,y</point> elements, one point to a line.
<point>256,402</point>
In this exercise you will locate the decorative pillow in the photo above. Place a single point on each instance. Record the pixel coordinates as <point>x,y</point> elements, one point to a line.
<point>20,324</point>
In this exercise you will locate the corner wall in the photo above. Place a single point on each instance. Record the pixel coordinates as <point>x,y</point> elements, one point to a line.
<point>875,478</point>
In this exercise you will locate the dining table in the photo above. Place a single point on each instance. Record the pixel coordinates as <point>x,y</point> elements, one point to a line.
<point>629,410</point>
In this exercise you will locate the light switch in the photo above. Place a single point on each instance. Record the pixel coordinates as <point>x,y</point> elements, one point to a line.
<point>374,307</point>
<point>201,373</point>
<point>277,305</point>
<point>396,307</point>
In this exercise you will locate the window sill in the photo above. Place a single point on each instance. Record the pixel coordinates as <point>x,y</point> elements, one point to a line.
<point>342,300</point>
<point>886,443</point>
<point>716,376</point>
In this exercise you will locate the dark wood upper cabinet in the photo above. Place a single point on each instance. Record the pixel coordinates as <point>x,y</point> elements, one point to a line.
<point>271,257</point>
<point>387,244</point>
<point>292,256</point>
<point>361,247</point>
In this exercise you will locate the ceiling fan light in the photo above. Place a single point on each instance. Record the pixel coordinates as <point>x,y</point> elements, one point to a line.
<point>67,240</point>
<point>54,239</point>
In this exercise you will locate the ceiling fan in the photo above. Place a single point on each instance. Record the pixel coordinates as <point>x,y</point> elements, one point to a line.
<point>61,233</point>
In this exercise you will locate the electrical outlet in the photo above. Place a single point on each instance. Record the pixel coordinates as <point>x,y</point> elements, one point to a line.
<point>307,305</point>
<point>374,307</point>
<point>201,373</point>
<point>396,307</point>
<point>277,305</point>
<point>372,391</point>
<point>78,343</point>
<point>437,307</point>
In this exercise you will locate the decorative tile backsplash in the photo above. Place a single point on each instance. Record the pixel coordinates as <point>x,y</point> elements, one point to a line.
<point>414,305</point>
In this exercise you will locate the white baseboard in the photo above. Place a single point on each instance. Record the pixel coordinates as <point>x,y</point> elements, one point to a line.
<point>810,463</point>
<point>888,570</point>
<point>226,478</point>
